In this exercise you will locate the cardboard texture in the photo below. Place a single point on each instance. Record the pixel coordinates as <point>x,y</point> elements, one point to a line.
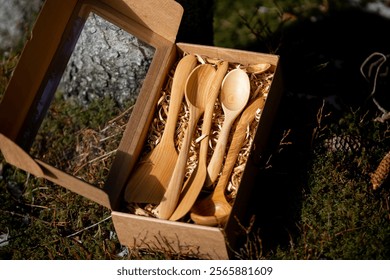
<point>37,75</point>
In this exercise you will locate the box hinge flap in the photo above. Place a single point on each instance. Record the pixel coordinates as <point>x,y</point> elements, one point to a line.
<point>16,156</point>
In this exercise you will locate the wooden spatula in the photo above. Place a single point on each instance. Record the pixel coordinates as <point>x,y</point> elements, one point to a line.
<point>151,177</point>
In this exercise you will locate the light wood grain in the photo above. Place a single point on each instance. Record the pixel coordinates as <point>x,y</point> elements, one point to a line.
<point>152,175</point>
<point>234,97</point>
<point>214,209</point>
<point>194,184</point>
<point>175,237</point>
<point>196,92</point>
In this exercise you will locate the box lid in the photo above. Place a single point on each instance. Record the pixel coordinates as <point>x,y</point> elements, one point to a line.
<point>44,58</point>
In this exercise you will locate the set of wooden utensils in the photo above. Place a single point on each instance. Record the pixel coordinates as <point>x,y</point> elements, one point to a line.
<point>160,177</point>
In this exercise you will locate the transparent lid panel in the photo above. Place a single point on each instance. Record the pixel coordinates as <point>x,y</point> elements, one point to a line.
<point>93,101</point>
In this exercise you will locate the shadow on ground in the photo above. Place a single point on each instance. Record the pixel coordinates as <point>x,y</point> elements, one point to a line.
<point>320,61</point>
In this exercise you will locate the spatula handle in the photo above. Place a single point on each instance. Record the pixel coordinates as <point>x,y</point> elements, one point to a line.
<point>171,196</point>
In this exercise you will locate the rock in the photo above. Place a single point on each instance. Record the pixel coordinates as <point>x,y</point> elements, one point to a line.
<point>16,17</point>
<point>107,61</point>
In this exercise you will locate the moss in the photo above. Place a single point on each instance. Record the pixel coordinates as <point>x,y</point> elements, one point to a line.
<point>342,217</point>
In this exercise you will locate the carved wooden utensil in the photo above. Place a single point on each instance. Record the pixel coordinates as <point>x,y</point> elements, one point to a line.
<point>234,97</point>
<point>214,209</point>
<point>151,177</point>
<point>194,184</point>
<point>196,93</point>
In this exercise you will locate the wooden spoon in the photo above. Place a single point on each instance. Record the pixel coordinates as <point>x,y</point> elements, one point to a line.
<point>214,209</point>
<point>196,91</point>
<point>234,97</point>
<point>195,182</point>
<point>150,179</point>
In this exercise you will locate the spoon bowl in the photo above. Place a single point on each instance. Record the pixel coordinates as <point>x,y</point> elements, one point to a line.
<point>211,211</point>
<point>235,91</point>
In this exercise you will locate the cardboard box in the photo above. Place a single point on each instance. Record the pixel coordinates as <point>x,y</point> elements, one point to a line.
<point>35,80</point>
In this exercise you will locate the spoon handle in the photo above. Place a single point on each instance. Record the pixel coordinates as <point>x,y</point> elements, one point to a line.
<point>215,163</point>
<point>171,196</point>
